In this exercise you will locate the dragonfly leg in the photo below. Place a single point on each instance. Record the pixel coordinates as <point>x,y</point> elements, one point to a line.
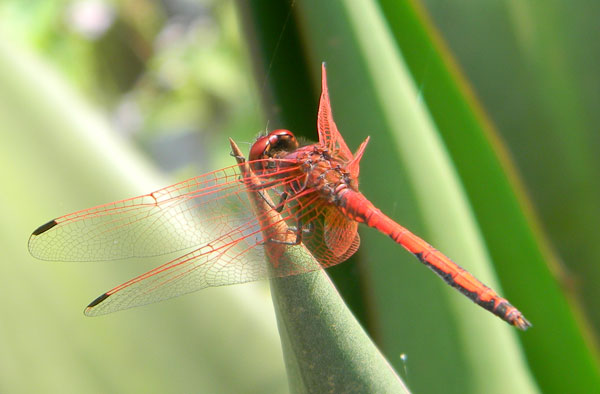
<point>306,179</point>
<point>240,158</point>
<point>280,205</point>
<point>298,231</point>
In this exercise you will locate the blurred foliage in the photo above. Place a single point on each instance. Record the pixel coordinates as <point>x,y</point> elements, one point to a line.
<point>161,71</point>
<point>174,80</point>
<point>537,76</point>
<point>164,77</point>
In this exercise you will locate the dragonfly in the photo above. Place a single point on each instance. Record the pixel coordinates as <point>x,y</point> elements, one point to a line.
<point>287,209</point>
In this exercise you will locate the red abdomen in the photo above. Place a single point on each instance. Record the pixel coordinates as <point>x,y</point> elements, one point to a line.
<point>356,206</point>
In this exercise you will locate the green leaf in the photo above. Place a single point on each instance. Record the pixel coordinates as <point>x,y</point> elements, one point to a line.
<point>522,258</point>
<point>435,164</point>
<point>325,348</point>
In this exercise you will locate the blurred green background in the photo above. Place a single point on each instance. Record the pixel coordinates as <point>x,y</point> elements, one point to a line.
<point>483,118</point>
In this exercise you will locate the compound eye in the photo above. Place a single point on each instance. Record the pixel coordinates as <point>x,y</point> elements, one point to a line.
<point>259,148</point>
<point>282,140</point>
<point>268,146</point>
<point>282,133</point>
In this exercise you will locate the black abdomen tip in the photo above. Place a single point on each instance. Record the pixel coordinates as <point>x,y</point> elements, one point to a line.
<point>44,227</point>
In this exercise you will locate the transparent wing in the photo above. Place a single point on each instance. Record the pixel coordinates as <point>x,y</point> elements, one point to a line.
<point>238,255</point>
<point>329,135</point>
<point>329,236</point>
<point>189,213</point>
<point>339,231</point>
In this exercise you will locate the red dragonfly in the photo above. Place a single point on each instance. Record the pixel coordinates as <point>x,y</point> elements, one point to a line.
<point>246,222</point>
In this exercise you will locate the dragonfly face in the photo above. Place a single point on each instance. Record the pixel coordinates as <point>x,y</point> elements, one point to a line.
<point>272,145</point>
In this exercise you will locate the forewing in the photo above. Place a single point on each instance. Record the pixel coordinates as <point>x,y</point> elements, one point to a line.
<point>329,135</point>
<point>189,213</point>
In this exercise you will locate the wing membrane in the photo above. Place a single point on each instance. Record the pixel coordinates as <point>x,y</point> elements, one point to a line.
<point>236,256</point>
<point>186,214</point>
<point>339,232</point>
<point>329,135</point>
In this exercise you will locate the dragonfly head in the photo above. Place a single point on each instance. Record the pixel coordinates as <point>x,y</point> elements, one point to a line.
<point>270,145</point>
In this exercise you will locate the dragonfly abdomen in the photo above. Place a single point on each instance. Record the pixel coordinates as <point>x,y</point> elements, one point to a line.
<point>471,287</point>
<point>357,207</point>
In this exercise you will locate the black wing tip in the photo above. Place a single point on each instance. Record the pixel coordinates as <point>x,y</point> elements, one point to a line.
<point>95,303</point>
<point>45,227</point>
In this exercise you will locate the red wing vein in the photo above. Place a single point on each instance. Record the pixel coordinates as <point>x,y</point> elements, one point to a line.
<point>174,218</point>
<point>231,258</point>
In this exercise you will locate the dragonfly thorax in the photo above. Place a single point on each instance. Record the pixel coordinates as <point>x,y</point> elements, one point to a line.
<point>324,173</point>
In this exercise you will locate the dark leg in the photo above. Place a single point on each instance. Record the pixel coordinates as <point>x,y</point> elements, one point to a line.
<point>298,230</point>
<point>280,205</point>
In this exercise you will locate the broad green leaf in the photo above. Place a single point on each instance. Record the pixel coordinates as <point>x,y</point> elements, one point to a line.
<point>435,164</point>
<point>522,259</point>
<point>325,348</point>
